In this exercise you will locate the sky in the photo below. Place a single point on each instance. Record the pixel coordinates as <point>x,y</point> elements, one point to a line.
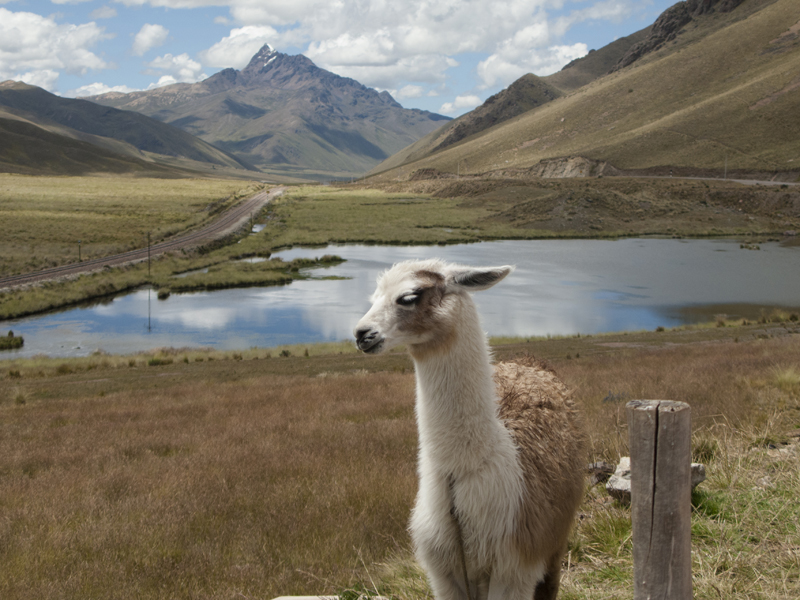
<point>446,56</point>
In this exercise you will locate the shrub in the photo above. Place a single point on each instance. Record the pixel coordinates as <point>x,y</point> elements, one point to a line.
<point>10,341</point>
<point>156,361</point>
<point>20,397</point>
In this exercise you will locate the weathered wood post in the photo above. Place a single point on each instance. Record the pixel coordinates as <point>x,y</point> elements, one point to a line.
<point>661,499</point>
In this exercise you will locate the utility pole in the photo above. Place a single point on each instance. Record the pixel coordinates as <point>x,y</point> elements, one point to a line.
<point>148,255</point>
<point>79,251</point>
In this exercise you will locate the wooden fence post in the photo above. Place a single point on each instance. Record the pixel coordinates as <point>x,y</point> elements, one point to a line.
<point>660,437</point>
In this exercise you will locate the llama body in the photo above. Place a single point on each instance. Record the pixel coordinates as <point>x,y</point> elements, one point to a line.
<point>500,447</point>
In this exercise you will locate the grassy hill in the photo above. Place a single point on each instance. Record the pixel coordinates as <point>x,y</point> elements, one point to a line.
<point>722,96</point>
<point>89,137</point>
<point>31,150</point>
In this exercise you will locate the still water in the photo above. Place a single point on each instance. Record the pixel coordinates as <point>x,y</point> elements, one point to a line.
<point>559,287</point>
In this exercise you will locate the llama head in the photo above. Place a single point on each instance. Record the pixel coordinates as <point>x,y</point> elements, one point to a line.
<point>418,302</point>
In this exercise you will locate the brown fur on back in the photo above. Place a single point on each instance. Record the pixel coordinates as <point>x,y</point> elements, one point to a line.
<point>549,433</point>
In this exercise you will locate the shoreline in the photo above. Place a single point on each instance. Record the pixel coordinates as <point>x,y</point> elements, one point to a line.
<point>342,356</point>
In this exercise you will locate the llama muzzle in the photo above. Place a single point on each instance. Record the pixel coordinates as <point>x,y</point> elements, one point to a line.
<point>368,340</point>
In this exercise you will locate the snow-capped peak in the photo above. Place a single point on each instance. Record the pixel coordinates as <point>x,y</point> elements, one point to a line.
<point>265,52</point>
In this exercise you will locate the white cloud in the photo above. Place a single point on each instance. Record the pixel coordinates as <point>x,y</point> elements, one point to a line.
<point>238,48</point>
<point>176,69</point>
<point>45,79</point>
<point>409,91</point>
<point>40,48</point>
<point>510,63</point>
<point>459,104</point>
<point>94,89</point>
<point>150,36</point>
<point>162,81</point>
<point>430,68</point>
<point>221,20</point>
<point>104,12</point>
<point>393,44</point>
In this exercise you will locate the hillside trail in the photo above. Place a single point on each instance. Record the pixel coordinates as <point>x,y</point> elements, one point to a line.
<point>229,222</point>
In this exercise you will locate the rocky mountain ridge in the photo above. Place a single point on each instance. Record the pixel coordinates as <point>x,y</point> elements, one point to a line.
<point>670,23</point>
<point>284,114</point>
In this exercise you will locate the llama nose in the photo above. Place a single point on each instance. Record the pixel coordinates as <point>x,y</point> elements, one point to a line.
<point>365,338</point>
<point>361,334</point>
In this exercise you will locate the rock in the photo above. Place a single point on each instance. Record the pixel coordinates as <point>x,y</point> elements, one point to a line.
<point>599,472</point>
<point>698,474</point>
<point>670,23</point>
<point>619,485</point>
<point>765,483</point>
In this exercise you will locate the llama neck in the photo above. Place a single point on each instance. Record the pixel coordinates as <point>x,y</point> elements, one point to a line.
<point>456,408</point>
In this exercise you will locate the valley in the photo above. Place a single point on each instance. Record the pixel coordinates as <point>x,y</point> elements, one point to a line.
<point>253,468</point>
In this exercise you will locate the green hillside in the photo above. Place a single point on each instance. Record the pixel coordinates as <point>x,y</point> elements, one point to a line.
<point>722,96</point>
<point>28,149</point>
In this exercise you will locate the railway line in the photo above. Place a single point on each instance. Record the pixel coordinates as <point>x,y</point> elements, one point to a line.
<point>228,222</point>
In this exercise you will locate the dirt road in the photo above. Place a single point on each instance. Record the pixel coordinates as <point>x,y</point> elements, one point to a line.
<point>228,222</point>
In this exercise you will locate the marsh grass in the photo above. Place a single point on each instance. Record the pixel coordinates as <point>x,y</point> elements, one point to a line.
<point>11,341</point>
<point>245,473</point>
<point>222,272</point>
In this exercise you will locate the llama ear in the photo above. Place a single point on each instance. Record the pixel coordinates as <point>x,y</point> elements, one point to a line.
<point>477,279</point>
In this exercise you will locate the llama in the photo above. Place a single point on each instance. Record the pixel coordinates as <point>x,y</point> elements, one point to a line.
<point>501,450</point>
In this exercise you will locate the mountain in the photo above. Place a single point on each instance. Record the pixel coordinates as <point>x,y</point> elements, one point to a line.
<point>717,94</point>
<point>286,115</point>
<point>121,132</point>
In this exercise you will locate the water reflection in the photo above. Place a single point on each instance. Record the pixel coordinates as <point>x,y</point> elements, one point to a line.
<point>559,287</point>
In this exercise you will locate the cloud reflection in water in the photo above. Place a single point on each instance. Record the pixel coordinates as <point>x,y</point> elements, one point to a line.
<point>560,287</point>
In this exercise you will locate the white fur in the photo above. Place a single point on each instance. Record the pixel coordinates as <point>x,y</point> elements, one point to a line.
<point>460,436</point>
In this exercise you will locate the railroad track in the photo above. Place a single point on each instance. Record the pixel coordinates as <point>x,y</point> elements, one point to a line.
<point>228,222</point>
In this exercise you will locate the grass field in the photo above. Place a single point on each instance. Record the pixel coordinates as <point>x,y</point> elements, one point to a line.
<point>189,473</point>
<point>444,211</point>
<point>44,218</point>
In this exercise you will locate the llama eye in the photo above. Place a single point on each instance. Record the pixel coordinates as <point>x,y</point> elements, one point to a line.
<point>408,300</point>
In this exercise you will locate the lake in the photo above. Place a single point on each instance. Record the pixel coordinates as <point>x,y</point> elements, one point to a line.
<point>560,287</point>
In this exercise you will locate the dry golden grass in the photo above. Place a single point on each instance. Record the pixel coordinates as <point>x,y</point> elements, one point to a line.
<point>237,477</point>
<point>738,385</point>
<point>259,487</point>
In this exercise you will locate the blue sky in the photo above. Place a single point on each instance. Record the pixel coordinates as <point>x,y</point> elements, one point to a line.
<point>446,56</point>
